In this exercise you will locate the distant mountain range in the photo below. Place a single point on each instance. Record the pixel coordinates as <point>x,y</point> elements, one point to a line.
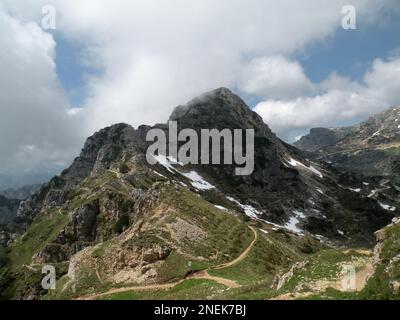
<point>16,181</point>
<point>112,220</point>
<point>22,192</point>
<point>8,209</point>
<point>371,148</point>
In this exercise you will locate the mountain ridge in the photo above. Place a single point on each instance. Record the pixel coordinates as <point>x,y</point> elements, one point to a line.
<point>111,217</point>
<point>278,181</point>
<point>370,149</point>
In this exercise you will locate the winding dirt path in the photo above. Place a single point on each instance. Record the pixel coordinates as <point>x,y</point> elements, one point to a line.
<point>203,274</point>
<point>243,255</point>
<point>135,288</point>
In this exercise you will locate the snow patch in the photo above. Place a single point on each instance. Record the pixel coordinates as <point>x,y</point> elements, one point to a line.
<point>295,163</point>
<point>299,214</point>
<point>320,238</point>
<point>254,213</point>
<point>159,174</point>
<point>376,133</point>
<point>197,181</point>
<point>248,210</point>
<point>373,192</point>
<point>387,207</point>
<point>164,161</point>
<point>220,207</point>
<point>292,225</point>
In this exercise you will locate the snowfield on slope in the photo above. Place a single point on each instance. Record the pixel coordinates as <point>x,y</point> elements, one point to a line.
<point>196,180</point>
<point>295,163</point>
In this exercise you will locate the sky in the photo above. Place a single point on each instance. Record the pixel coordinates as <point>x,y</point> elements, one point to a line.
<point>133,61</point>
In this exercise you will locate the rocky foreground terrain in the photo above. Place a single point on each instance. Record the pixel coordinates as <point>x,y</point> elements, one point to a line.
<point>116,227</point>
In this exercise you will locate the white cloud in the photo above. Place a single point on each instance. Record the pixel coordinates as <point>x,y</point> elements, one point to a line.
<point>383,81</point>
<point>275,77</point>
<point>155,55</point>
<point>340,100</point>
<point>34,127</point>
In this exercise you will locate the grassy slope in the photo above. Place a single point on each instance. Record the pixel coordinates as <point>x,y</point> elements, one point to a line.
<point>227,237</point>
<point>255,273</point>
<point>18,273</point>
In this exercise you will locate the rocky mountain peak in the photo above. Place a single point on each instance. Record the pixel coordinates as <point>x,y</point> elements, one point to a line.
<point>114,210</point>
<point>211,97</point>
<point>284,187</point>
<point>220,109</point>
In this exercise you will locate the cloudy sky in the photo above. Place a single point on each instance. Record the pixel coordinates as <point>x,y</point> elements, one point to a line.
<point>133,61</point>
